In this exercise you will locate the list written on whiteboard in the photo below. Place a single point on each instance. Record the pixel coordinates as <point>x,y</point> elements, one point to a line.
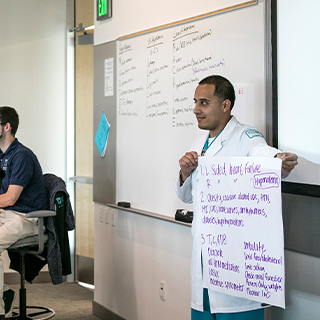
<point>158,73</point>
<point>239,206</point>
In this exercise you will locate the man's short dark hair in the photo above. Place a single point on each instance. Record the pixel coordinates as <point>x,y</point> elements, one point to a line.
<point>9,114</point>
<point>223,88</point>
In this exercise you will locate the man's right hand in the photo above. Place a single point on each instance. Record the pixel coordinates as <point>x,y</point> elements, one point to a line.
<point>187,163</point>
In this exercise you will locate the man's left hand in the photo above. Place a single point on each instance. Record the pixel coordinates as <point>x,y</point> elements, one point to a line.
<point>289,161</point>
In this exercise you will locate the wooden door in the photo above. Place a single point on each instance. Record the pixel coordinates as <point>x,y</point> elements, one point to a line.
<point>84,207</point>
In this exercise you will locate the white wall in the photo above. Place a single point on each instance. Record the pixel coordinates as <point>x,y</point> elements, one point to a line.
<point>296,24</point>
<point>132,257</point>
<point>134,16</point>
<point>33,79</point>
<point>36,78</point>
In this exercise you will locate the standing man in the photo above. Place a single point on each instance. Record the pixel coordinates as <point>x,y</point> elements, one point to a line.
<point>22,191</point>
<point>214,99</point>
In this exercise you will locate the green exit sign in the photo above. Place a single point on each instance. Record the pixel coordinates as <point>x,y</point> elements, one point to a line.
<point>103,9</point>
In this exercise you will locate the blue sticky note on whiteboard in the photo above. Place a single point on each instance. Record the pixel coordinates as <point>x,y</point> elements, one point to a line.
<point>101,137</point>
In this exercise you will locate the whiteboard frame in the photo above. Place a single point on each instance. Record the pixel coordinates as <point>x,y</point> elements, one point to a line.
<point>305,189</point>
<point>201,16</point>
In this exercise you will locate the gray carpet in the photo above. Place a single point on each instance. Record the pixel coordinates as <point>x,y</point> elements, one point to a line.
<point>68,300</point>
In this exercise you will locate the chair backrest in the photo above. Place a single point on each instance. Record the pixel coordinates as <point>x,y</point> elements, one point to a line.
<point>58,227</point>
<point>58,252</point>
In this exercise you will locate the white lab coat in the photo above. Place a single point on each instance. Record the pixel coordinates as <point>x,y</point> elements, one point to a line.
<point>235,140</point>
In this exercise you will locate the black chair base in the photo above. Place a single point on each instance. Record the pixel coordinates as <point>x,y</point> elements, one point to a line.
<point>37,312</point>
<point>33,313</point>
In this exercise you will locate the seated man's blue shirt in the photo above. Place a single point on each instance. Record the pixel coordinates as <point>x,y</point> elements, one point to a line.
<point>22,168</point>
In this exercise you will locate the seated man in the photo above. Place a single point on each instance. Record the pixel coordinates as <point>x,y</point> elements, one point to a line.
<point>22,191</point>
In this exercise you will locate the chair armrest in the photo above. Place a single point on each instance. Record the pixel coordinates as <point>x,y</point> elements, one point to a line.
<point>25,242</point>
<point>40,214</point>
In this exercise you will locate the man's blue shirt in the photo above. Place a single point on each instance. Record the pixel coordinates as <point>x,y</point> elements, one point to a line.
<point>22,168</point>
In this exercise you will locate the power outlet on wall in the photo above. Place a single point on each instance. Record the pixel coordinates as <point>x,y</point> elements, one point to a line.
<point>106,217</point>
<point>114,217</point>
<point>101,213</point>
<point>162,290</point>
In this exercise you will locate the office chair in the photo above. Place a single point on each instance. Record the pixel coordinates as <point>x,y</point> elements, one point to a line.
<point>35,246</point>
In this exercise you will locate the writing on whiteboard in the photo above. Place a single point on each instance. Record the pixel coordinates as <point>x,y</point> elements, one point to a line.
<point>162,56</point>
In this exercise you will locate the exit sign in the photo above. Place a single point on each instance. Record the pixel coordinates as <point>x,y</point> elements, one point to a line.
<point>103,9</point>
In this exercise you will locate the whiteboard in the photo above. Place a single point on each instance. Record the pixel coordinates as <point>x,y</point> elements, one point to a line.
<point>298,86</point>
<point>157,75</point>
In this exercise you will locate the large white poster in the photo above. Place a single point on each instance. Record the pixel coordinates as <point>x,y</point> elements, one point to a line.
<point>242,233</point>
